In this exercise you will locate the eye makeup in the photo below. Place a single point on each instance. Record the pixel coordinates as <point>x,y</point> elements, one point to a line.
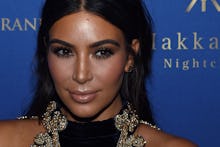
<point>62,51</point>
<point>100,50</point>
<point>103,53</point>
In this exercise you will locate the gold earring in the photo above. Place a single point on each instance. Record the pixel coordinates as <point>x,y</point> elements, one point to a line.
<point>131,68</point>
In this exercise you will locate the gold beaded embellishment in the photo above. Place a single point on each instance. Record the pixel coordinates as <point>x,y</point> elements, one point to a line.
<point>127,122</point>
<point>54,122</point>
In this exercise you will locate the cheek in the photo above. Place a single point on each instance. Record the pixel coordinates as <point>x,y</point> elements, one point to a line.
<point>111,73</point>
<point>60,71</point>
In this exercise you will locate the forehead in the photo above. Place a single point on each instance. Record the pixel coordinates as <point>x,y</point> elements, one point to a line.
<point>84,25</point>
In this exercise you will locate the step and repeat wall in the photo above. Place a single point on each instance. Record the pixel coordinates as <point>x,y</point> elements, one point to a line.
<point>184,87</point>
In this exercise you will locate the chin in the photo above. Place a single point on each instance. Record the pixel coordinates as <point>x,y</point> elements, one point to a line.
<point>84,114</point>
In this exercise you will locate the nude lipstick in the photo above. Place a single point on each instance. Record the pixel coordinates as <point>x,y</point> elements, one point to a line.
<point>83,97</point>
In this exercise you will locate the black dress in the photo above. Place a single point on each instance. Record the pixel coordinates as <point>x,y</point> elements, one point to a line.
<point>91,134</point>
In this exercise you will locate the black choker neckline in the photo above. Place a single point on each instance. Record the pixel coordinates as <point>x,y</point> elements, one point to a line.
<point>90,129</point>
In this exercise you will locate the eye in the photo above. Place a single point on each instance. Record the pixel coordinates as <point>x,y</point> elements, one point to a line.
<point>62,52</point>
<point>103,53</point>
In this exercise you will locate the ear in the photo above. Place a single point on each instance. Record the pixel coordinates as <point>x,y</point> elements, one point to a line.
<point>135,45</point>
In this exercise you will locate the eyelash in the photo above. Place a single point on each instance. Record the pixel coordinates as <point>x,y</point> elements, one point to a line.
<point>104,53</point>
<point>101,53</point>
<point>62,52</point>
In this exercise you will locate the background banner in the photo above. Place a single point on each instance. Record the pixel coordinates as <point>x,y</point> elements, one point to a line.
<point>185,81</point>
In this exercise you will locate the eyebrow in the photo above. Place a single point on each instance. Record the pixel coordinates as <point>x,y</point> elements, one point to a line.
<point>96,44</point>
<point>60,42</point>
<point>106,41</point>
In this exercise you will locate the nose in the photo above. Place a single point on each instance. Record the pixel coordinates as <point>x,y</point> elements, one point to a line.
<point>82,72</point>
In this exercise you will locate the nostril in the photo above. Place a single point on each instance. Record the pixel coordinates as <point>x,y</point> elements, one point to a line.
<point>82,76</point>
<point>82,68</point>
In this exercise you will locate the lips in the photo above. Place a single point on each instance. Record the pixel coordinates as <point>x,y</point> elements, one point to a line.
<point>83,97</point>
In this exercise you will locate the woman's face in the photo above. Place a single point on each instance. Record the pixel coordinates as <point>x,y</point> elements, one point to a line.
<point>87,59</point>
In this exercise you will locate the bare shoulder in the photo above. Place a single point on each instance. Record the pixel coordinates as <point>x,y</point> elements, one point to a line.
<point>159,138</point>
<point>19,133</point>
